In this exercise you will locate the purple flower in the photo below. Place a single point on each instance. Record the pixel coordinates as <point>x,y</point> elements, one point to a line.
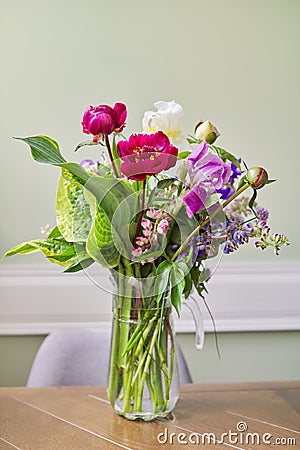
<point>198,153</point>
<point>226,191</point>
<point>207,168</point>
<point>207,173</point>
<point>236,234</point>
<point>195,200</point>
<point>262,213</point>
<point>235,172</point>
<point>90,165</point>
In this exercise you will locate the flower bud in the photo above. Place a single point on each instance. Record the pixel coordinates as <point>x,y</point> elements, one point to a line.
<point>103,120</point>
<point>206,131</point>
<point>257,177</point>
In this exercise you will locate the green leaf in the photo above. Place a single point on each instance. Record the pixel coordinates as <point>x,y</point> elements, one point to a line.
<point>55,234</point>
<point>72,210</point>
<point>271,181</point>
<point>86,143</point>
<point>182,267</point>
<point>192,140</point>
<point>100,244</point>
<point>52,248</point>
<point>110,192</point>
<point>164,266</point>
<point>162,184</point>
<point>177,276</point>
<point>188,285</point>
<point>183,155</point>
<point>225,155</point>
<point>242,182</point>
<point>77,266</point>
<point>44,149</point>
<point>162,279</point>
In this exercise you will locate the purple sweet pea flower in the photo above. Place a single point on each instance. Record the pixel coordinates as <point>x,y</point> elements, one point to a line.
<point>207,173</point>
<point>198,153</point>
<point>195,200</point>
<point>207,168</point>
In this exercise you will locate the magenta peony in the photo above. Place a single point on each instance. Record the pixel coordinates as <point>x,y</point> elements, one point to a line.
<point>103,120</point>
<point>146,154</point>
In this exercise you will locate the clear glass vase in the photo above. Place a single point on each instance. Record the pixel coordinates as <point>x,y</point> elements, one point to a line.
<point>143,381</point>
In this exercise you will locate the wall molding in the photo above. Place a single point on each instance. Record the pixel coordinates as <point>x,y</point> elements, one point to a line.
<point>242,297</point>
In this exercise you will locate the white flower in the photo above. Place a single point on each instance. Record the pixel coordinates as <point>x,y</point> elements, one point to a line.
<point>206,130</point>
<point>168,119</point>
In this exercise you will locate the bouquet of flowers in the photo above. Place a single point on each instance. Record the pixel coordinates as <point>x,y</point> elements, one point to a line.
<point>153,210</point>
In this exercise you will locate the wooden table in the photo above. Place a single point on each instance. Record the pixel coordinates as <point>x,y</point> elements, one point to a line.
<point>254,416</point>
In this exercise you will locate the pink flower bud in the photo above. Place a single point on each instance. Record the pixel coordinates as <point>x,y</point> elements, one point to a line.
<point>103,119</point>
<point>206,131</point>
<point>257,177</point>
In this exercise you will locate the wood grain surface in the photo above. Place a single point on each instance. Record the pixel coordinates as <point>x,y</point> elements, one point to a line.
<point>81,418</point>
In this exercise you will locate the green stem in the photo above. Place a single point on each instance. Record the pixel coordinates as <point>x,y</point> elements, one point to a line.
<point>146,367</point>
<point>158,382</point>
<point>142,209</point>
<point>125,307</point>
<point>107,143</point>
<point>206,221</point>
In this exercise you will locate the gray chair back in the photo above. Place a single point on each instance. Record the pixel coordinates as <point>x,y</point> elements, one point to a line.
<point>79,357</point>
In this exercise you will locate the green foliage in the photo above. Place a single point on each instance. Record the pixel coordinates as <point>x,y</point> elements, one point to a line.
<point>86,143</point>
<point>183,155</point>
<point>242,182</point>
<point>56,250</point>
<point>172,276</point>
<point>74,220</point>
<point>44,149</point>
<point>100,244</point>
<point>162,184</point>
<point>109,192</point>
<point>225,155</point>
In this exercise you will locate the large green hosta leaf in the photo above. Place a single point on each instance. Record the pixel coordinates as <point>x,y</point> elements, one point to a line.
<point>72,256</point>
<point>72,211</point>
<point>57,250</point>
<point>100,245</point>
<point>109,192</point>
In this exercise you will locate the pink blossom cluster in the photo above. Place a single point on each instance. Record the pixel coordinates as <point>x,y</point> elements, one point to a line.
<point>150,231</point>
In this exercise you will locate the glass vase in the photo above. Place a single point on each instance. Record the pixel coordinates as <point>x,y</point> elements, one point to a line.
<point>143,381</point>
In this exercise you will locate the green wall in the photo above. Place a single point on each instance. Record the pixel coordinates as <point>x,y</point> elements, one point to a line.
<point>235,62</point>
<point>270,356</point>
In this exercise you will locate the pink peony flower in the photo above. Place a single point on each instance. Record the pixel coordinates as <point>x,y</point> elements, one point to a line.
<point>146,154</point>
<point>103,119</point>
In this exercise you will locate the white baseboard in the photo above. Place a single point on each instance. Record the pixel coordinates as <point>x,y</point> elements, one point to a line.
<point>244,297</point>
